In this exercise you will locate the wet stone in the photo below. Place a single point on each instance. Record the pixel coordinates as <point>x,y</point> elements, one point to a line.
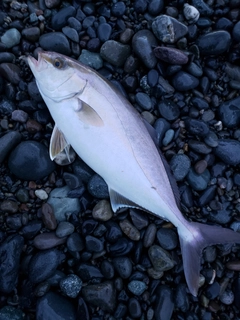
<point>43,265</point>
<point>203,7</point>
<point>48,217</point>
<point>71,33</point>
<point>180,165</point>
<point>181,298</point>
<point>97,187</point>
<point>103,294</point>
<point>104,32</point>
<point>8,142</point>
<point>107,269</point>
<point>33,91</point>
<point>213,291</point>
<point>22,195</point>
<point>169,110</point>
<point>115,52</point>
<point>144,101</point>
<point>30,230</point>
<point>75,242</point>
<point>93,244</point>
<point>199,147</point>
<point>64,229</point>
<point>88,272</point>
<point>171,55</point>
<point>47,240</point>
<point>198,181</point>
<point>227,297</point>
<point>20,116</point>
<point>71,285</point>
<point>10,72</point>
<point>152,78</point>
<point>55,305</point>
<point>214,43</point>
<point>102,211</point>
<point>7,57</point>
<point>10,252</point>
<point>61,204</point>
<point>155,7</point>
<point>30,161</point>
<point>14,221</point>
<point>165,303</point>
<point>55,41</point>
<point>134,308</point>
<point>32,34</point>
<point>228,150</point>
<point>167,29</point>
<point>200,166</point>
<point>167,238</point>
<point>11,38</point>
<point>126,35</point>
<point>197,127</point>
<point>139,219</point>
<point>130,231</point>
<point>183,81</point>
<point>123,266</point>
<point>142,43</point>
<point>59,20</point>
<point>160,258</point>
<point>149,235</point>
<point>113,231</point>
<point>137,287</point>
<point>229,113</point>
<point>52,3</point>
<point>211,139</point>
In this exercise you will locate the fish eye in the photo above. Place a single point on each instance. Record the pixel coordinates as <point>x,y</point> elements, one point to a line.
<point>58,63</point>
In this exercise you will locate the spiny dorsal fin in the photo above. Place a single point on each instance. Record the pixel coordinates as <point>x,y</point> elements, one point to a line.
<point>88,115</point>
<point>58,143</point>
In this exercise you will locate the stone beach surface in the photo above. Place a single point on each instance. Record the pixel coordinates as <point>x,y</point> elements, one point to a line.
<point>64,254</point>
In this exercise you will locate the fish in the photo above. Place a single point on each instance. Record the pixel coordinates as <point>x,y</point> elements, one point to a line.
<point>109,135</point>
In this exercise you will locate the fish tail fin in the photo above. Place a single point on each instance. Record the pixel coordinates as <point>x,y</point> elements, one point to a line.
<point>201,236</point>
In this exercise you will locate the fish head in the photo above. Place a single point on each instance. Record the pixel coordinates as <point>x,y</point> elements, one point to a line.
<point>56,76</point>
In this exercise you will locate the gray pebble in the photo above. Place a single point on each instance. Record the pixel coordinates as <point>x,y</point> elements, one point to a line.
<point>198,181</point>
<point>102,211</point>
<point>75,242</point>
<point>71,285</point>
<point>167,238</point>
<point>20,116</point>
<point>149,235</point>
<point>8,142</point>
<point>180,165</point>
<point>144,101</point>
<point>160,258</point>
<point>64,229</point>
<point>11,38</point>
<point>137,287</point>
<point>115,52</point>
<point>130,231</point>
<point>91,59</point>
<point>55,41</point>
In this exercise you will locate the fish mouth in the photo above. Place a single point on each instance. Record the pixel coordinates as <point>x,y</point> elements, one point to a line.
<point>40,64</point>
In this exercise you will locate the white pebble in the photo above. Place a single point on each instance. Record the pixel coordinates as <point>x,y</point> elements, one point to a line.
<point>41,194</point>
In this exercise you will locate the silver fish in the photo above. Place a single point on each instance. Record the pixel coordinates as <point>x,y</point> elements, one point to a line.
<point>113,139</point>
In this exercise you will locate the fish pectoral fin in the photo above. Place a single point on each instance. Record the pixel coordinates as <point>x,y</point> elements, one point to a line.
<point>58,143</point>
<point>88,115</point>
<point>118,201</point>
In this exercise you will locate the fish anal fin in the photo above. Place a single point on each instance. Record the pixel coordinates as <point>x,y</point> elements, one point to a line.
<point>202,236</point>
<point>58,143</point>
<point>88,115</point>
<point>118,201</point>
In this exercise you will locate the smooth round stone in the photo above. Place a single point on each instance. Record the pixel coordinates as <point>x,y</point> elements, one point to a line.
<point>19,116</point>
<point>55,306</point>
<point>52,3</point>
<point>202,7</point>
<point>102,294</point>
<point>11,38</point>
<point>183,81</point>
<point>30,161</point>
<point>168,137</point>
<point>93,45</point>
<point>155,7</point>
<point>197,127</point>
<point>167,238</point>
<point>64,229</point>
<point>194,69</point>
<point>93,244</point>
<point>140,6</point>
<point>199,147</point>
<point>47,241</point>
<point>71,33</point>
<point>139,219</point>
<point>198,181</point>
<point>10,252</point>
<point>213,291</point>
<point>8,142</point>
<point>143,100</point>
<point>130,231</point>
<point>14,221</point>
<point>224,24</point>
<point>181,298</point>
<point>104,31</point>
<point>88,272</point>
<point>228,150</point>
<point>75,242</point>
<point>41,194</point>
<point>88,22</point>
<point>30,230</point>
<point>214,43</point>
<point>210,254</point>
<point>167,29</point>
<point>211,139</point>
<point>169,110</point>
<point>227,297</point>
<point>180,165</point>
<point>113,231</point>
<point>229,113</point>
<point>31,34</point>
<point>134,308</point>
<point>75,24</point>
<point>71,285</point>
<point>11,313</point>
<point>115,52</point>
<point>126,35</point>
<point>123,266</point>
<point>152,78</point>
<point>149,235</point>
<point>171,55</point>
<point>160,258</point>
<point>59,20</point>
<point>200,166</point>
<point>55,41</point>
<point>43,265</point>
<point>22,195</point>
<point>165,303</point>
<point>89,8</point>
<point>61,204</point>
<point>107,269</point>
<point>102,211</point>
<point>10,72</point>
<point>97,187</point>
<point>137,287</point>
<point>118,9</point>
<point>7,57</point>
<point>91,59</point>
<point>143,43</point>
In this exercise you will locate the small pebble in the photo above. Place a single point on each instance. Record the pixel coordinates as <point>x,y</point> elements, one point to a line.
<point>71,285</point>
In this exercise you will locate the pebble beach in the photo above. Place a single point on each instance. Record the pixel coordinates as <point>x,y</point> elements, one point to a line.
<point>64,254</point>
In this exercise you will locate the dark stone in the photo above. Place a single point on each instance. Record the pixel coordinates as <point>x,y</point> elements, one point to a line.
<point>8,142</point>
<point>214,43</point>
<point>55,41</point>
<point>229,113</point>
<point>59,20</point>
<point>183,81</point>
<point>228,150</point>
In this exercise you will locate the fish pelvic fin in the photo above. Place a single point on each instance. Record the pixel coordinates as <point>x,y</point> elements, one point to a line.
<point>202,236</point>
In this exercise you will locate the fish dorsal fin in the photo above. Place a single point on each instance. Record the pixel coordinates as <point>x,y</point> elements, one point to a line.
<point>173,183</point>
<point>58,143</point>
<point>118,201</point>
<point>88,115</point>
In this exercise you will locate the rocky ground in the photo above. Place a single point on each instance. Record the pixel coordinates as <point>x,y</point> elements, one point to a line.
<point>63,253</point>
